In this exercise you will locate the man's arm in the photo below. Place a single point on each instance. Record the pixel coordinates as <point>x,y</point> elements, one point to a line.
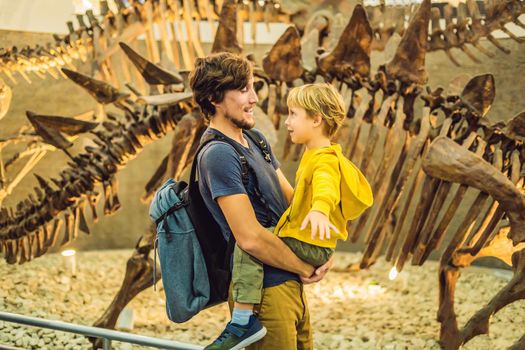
<point>254,239</point>
<point>285,186</point>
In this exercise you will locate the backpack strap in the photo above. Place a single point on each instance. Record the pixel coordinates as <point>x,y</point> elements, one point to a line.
<point>244,163</point>
<point>261,143</point>
<point>168,212</point>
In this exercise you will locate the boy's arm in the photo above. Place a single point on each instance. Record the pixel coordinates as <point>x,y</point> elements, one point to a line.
<point>254,239</point>
<point>285,186</point>
<point>326,183</point>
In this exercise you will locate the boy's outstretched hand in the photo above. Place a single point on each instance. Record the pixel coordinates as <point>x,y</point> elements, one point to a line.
<point>318,221</point>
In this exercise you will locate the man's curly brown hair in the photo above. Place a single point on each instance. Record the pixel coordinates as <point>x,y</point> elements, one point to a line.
<point>216,74</point>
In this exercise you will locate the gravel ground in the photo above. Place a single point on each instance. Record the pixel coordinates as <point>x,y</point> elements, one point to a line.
<point>351,310</point>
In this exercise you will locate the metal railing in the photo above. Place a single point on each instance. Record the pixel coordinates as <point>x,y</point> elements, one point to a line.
<point>105,334</point>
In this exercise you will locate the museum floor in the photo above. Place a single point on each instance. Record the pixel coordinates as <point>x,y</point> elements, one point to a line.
<point>351,310</point>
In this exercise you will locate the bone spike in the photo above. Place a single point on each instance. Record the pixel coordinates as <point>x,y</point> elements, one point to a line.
<point>11,256</point>
<point>226,36</point>
<point>283,62</point>
<point>115,203</point>
<point>57,224</point>
<point>23,244</point>
<point>352,50</point>
<point>83,225</point>
<point>166,99</point>
<point>479,93</point>
<point>80,19</point>
<point>68,228</point>
<point>45,238</point>
<point>44,184</point>
<point>515,129</point>
<point>408,64</point>
<point>152,73</point>
<point>70,27</point>
<point>107,198</point>
<point>101,91</point>
<point>51,136</point>
<point>30,242</point>
<point>69,126</point>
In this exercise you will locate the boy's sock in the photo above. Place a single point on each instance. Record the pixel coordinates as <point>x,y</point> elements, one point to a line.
<point>241,316</point>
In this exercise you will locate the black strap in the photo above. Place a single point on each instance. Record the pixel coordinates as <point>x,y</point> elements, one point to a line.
<point>244,163</point>
<point>261,143</point>
<point>172,209</point>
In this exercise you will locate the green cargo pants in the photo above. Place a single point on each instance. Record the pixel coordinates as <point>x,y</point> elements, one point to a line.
<point>247,274</point>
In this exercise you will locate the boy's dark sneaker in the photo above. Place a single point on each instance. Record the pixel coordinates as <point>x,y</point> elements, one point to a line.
<point>236,337</point>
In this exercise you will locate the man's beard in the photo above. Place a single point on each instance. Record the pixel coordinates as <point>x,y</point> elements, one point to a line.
<point>242,124</point>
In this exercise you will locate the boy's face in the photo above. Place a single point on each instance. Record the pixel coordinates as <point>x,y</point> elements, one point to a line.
<point>301,126</point>
<point>237,106</point>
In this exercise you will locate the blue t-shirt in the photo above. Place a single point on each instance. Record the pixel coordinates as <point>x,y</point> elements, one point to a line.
<point>220,175</point>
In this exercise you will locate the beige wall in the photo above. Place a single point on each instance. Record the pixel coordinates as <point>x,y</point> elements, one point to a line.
<point>62,97</point>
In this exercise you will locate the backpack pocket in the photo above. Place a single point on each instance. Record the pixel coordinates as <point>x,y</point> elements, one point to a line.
<point>184,275</point>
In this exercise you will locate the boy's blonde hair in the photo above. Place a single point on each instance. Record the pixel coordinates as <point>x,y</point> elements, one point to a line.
<point>320,99</point>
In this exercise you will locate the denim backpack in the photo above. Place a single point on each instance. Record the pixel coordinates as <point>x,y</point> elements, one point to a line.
<point>194,256</point>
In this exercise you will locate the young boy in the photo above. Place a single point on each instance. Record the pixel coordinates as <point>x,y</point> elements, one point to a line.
<point>329,191</point>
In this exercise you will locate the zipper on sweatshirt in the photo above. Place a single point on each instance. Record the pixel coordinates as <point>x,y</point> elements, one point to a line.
<point>278,230</point>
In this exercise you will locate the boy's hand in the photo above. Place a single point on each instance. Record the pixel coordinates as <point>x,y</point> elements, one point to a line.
<point>318,221</point>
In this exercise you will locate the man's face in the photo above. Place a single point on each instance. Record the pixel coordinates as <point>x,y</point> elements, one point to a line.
<point>237,106</point>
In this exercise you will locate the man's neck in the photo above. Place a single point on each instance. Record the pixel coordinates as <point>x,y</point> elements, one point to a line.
<point>228,128</point>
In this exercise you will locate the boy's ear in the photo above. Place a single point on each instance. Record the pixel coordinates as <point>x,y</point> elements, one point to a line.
<point>318,120</point>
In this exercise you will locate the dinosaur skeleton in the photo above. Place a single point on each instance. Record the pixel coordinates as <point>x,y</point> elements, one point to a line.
<point>98,40</point>
<point>412,143</point>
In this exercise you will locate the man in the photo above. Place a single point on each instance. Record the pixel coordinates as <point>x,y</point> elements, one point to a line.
<point>222,86</point>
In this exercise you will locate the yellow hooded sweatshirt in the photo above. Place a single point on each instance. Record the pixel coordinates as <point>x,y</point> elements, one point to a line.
<point>328,182</point>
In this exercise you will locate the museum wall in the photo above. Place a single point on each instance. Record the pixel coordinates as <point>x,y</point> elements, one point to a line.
<point>62,97</point>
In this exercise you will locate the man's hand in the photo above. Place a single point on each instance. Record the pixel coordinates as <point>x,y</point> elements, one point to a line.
<point>318,221</point>
<point>319,273</point>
